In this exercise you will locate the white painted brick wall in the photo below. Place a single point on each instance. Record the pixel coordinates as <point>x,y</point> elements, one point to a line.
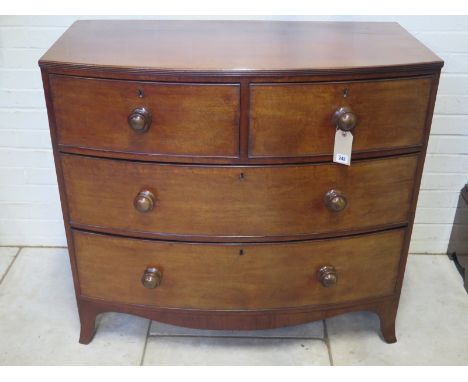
<point>29,202</point>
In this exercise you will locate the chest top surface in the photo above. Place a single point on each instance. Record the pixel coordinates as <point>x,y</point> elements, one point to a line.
<point>239,47</point>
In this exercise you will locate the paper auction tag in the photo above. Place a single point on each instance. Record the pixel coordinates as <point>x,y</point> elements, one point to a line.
<point>343,147</point>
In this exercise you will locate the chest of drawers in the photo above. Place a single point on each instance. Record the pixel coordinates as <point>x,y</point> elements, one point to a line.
<point>194,162</point>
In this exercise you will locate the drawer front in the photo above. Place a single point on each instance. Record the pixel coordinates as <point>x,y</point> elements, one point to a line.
<point>216,276</point>
<point>237,201</point>
<point>184,119</point>
<point>289,120</point>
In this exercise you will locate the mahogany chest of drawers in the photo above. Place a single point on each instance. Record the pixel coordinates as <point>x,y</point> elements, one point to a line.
<point>196,174</point>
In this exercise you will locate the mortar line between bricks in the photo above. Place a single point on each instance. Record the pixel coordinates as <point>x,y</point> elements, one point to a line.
<point>326,338</point>
<point>11,264</point>
<point>146,343</point>
<point>33,246</point>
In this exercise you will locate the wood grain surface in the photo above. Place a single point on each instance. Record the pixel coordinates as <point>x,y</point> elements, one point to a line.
<point>217,276</point>
<point>238,201</point>
<point>187,119</point>
<point>296,119</point>
<point>242,47</point>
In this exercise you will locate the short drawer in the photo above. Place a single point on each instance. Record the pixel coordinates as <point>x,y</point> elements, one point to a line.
<point>217,276</point>
<point>295,119</point>
<point>239,201</point>
<point>176,119</point>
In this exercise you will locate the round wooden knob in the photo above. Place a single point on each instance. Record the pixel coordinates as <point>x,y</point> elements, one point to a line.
<point>140,120</point>
<point>144,201</point>
<point>151,278</point>
<point>335,200</point>
<point>344,119</point>
<point>327,276</point>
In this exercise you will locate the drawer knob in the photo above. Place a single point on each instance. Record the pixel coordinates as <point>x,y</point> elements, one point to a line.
<point>344,119</point>
<point>144,201</point>
<point>151,278</point>
<point>327,276</point>
<point>140,120</point>
<point>335,200</point>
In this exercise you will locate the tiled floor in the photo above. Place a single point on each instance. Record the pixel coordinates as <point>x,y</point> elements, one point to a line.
<point>39,325</point>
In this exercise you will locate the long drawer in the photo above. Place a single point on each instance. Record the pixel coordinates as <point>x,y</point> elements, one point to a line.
<point>237,202</point>
<point>226,276</point>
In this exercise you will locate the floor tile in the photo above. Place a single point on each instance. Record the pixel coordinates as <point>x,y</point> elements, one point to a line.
<point>39,319</point>
<point>7,254</point>
<point>195,351</point>
<point>311,330</point>
<point>431,328</point>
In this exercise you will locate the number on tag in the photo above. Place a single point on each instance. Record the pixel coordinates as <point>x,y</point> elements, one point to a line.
<point>341,158</point>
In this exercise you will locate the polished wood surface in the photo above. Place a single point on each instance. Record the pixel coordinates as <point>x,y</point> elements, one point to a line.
<point>276,165</point>
<point>241,47</point>
<point>385,308</point>
<point>238,201</point>
<point>187,119</point>
<point>216,276</point>
<point>296,119</point>
<point>243,159</point>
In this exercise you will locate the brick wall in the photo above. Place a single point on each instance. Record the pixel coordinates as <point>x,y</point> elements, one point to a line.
<point>29,202</point>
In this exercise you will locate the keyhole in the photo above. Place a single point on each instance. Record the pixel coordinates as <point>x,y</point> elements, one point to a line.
<point>345,92</point>
<point>241,252</point>
<point>140,93</point>
<point>241,176</point>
